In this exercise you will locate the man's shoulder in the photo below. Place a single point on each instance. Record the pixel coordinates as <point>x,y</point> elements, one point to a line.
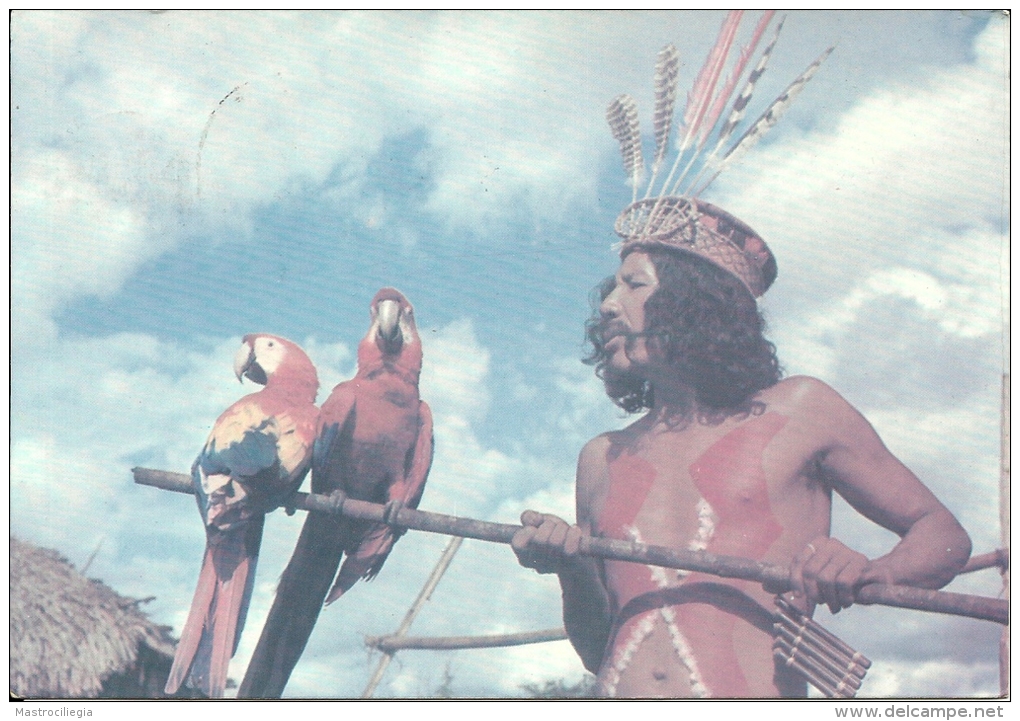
<point>594,453</point>
<point>596,447</point>
<point>798,388</point>
<point>805,397</point>
<point>623,436</point>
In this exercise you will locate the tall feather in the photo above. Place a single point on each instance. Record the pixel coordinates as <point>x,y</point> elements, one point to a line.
<point>623,121</point>
<point>739,105</point>
<point>666,74</point>
<point>700,96</point>
<point>709,122</point>
<point>738,70</point>
<point>769,118</point>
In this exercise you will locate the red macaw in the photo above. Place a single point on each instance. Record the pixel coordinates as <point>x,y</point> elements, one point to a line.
<point>374,444</point>
<point>257,454</point>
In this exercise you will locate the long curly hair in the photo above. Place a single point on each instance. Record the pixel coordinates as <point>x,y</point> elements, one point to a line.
<point>709,329</point>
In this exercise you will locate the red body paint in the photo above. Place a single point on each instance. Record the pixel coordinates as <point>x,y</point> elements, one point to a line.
<point>630,480</point>
<point>730,476</point>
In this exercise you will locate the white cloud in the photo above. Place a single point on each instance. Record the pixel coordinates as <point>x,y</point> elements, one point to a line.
<point>965,475</point>
<point>454,383</point>
<point>469,477</point>
<point>911,173</point>
<point>217,114</point>
<point>910,679</point>
<point>53,500</point>
<point>68,238</point>
<point>556,498</point>
<point>963,300</point>
<point>454,374</point>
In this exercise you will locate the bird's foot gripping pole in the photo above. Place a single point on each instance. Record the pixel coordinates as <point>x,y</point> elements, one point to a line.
<point>826,662</point>
<point>336,501</point>
<point>391,511</point>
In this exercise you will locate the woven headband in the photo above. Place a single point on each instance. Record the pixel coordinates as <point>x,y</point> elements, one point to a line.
<point>695,226</point>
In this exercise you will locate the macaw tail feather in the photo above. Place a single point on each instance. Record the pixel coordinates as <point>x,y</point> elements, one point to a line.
<point>218,610</point>
<point>296,607</point>
<point>365,561</point>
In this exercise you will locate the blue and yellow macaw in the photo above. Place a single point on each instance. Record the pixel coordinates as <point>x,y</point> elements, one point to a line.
<point>257,454</point>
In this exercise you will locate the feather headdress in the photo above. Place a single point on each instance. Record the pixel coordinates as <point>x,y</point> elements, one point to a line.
<point>674,215</point>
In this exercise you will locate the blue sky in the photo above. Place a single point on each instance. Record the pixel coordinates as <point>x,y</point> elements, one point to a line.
<point>180,179</point>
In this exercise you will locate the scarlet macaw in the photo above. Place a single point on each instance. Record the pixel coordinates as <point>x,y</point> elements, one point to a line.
<point>374,444</point>
<point>257,454</point>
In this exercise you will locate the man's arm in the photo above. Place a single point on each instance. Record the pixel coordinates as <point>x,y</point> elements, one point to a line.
<point>857,465</point>
<point>549,544</point>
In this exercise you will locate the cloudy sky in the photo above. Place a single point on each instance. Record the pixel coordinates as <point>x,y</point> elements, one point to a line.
<point>180,179</point>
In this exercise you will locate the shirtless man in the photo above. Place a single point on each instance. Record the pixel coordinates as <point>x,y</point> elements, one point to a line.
<point>728,458</point>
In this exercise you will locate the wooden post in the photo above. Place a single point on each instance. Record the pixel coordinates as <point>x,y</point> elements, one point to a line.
<point>1004,529</point>
<point>999,558</point>
<point>430,585</point>
<point>456,643</point>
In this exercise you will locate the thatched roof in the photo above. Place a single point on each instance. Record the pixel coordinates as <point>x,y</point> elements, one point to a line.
<point>70,634</point>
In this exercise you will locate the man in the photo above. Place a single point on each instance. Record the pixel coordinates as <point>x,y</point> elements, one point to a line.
<point>727,458</point>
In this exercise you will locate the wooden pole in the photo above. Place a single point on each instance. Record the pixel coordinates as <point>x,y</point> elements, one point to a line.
<point>999,558</point>
<point>456,643</point>
<point>1004,530</point>
<point>774,578</point>
<point>430,585</point>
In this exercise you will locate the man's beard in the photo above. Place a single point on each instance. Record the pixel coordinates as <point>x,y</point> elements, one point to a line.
<point>621,381</point>
<point>615,329</point>
<point>655,340</point>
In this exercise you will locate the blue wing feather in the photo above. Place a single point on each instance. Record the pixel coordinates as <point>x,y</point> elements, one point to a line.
<point>323,444</point>
<point>254,453</point>
<point>244,448</point>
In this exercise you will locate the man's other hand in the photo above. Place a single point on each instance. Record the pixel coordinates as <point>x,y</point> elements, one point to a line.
<point>828,572</point>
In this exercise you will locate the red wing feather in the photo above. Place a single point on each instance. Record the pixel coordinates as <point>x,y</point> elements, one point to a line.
<point>422,462</point>
<point>376,544</point>
<point>333,439</point>
<point>217,611</point>
<point>192,633</point>
<point>365,562</point>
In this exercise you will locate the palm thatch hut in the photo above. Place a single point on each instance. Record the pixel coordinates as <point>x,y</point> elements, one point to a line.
<point>74,637</point>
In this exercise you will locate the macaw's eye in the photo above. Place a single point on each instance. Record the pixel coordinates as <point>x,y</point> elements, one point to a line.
<point>271,344</point>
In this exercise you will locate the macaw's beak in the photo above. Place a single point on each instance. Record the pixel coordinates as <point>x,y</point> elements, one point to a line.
<point>388,317</point>
<point>245,364</point>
